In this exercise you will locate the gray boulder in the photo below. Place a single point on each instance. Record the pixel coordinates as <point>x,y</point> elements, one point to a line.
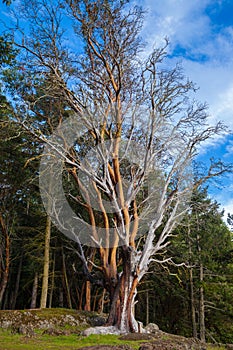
<point>152,328</point>
<point>101,330</point>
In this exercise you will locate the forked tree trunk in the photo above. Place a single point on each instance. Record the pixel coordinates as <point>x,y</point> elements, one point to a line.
<point>122,299</point>
<point>122,306</point>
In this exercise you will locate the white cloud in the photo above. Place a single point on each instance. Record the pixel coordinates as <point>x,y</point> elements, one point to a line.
<point>215,82</point>
<point>206,50</point>
<point>228,208</point>
<point>229,149</point>
<point>224,107</point>
<point>180,20</point>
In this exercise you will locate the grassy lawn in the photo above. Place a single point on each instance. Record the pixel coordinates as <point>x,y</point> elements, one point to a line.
<point>41,341</point>
<point>73,322</point>
<point>9,341</point>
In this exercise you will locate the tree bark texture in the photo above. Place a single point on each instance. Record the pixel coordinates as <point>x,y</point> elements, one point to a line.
<point>15,295</point>
<point>202,305</point>
<point>52,282</point>
<point>45,278</point>
<point>192,300</point>
<point>5,263</point>
<point>34,291</point>
<point>65,280</point>
<point>122,297</point>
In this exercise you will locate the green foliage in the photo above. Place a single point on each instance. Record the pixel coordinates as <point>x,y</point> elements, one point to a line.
<point>7,2</point>
<point>71,342</point>
<point>7,53</point>
<point>204,232</point>
<point>14,342</point>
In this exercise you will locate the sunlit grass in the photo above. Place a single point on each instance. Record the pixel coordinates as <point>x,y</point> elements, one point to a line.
<point>9,341</point>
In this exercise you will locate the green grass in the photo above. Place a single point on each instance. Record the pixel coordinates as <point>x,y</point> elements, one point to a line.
<point>9,341</point>
<point>41,341</point>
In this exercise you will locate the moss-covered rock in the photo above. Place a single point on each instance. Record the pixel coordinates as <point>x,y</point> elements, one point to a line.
<point>45,319</point>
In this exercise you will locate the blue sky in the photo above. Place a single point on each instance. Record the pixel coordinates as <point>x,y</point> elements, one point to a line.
<point>201,36</point>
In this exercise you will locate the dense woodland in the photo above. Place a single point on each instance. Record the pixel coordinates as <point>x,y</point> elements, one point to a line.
<point>187,286</point>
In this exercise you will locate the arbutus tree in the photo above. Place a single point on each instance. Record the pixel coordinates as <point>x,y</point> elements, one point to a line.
<point>116,174</point>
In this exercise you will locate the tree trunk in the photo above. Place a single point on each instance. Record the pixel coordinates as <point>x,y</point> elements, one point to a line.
<point>65,281</point>
<point>15,295</point>
<point>5,305</point>
<point>192,300</point>
<point>122,300</point>
<point>34,291</point>
<point>45,280</point>
<point>81,296</point>
<point>52,283</point>
<point>61,297</point>
<point>5,267</point>
<point>87,306</point>
<point>202,305</point>
<point>201,291</point>
<point>147,307</point>
<point>101,303</point>
<point>122,306</point>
